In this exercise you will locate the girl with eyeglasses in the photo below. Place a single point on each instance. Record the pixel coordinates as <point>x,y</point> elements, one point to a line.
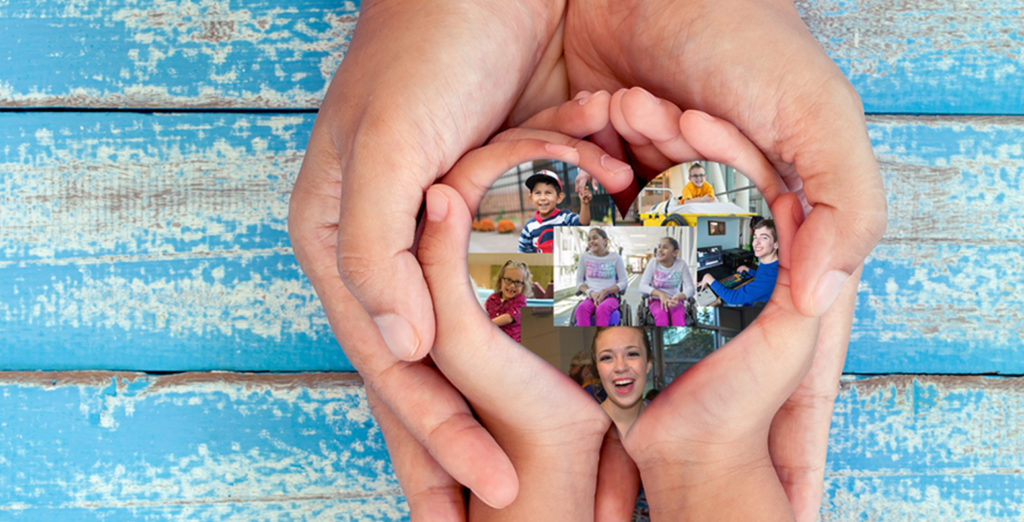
<point>511,288</point>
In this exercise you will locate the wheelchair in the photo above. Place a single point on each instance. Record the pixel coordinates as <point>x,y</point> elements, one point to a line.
<point>619,317</point>
<point>645,318</point>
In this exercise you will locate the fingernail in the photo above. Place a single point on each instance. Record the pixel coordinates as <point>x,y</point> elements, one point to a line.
<point>437,206</point>
<point>827,289</point>
<point>652,97</point>
<point>583,97</point>
<point>615,165</point>
<point>561,150</point>
<point>706,116</point>
<point>398,335</point>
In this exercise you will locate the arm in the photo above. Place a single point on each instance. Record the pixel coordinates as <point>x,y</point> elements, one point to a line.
<point>709,192</point>
<point>509,312</point>
<point>581,275</point>
<point>645,287</point>
<point>688,289</point>
<point>620,273</point>
<point>502,320</point>
<point>525,244</point>
<point>758,289</point>
<point>584,211</point>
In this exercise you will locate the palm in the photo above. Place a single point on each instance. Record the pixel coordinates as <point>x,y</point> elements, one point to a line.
<point>734,60</point>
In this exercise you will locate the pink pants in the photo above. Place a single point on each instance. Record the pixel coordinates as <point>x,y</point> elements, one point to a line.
<point>661,317</point>
<point>601,314</point>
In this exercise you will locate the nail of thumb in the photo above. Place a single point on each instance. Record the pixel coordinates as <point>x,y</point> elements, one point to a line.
<point>827,289</point>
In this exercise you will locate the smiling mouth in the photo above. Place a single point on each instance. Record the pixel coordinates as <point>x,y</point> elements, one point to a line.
<point>623,386</point>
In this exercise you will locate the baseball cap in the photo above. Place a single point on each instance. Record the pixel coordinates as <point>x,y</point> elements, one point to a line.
<point>546,176</point>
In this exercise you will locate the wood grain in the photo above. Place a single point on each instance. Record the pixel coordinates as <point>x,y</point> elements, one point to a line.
<point>925,56</point>
<point>938,295</point>
<point>919,57</point>
<point>193,446</point>
<point>225,445</point>
<point>127,186</point>
<point>245,54</point>
<point>158,242</point>
<point>926,448</point>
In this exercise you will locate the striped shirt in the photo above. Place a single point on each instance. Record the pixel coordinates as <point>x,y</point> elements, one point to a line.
<point>538,234</point>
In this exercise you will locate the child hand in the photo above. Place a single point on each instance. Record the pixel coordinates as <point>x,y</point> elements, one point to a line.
<point>707,280</point>
<point>709,427</point>
<point>807,408</point>
<point>543,419</point>
<point>585,196</point>
<point>553,133</point>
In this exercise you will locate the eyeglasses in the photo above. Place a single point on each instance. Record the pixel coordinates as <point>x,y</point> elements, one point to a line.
<point>512,281</point>
<point>698,175</point>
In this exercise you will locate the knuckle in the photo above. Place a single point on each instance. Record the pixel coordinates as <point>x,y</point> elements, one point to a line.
<point>356,269</point>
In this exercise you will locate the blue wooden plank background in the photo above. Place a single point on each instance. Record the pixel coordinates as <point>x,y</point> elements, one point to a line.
<point>80,445</point>
<point>925,57</point>
<point>214,53</point>
<point>920,58</point>
<point>305,446</point>
<point>156,242</point>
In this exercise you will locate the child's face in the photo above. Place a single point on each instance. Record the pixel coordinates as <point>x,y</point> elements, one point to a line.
<point>597,243</point>
<point>512,283</point>
<point>545,198</point>
<point>764,243</point>
<point>666,252</point>
<point>623,365</point>
<point>697,176</point>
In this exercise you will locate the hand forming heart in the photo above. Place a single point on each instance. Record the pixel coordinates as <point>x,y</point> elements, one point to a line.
<point>707,436</point>
<point>418,87</point>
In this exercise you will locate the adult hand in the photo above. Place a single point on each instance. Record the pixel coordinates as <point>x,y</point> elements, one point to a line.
<point>404,105</point>
<point>807,120</point>
<point>431,492</point>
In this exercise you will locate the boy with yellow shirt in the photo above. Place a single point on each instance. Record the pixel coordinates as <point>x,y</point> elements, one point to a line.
<point>697,189</point>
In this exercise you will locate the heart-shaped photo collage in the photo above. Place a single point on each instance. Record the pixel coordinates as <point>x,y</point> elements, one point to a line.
<point>690,265</point>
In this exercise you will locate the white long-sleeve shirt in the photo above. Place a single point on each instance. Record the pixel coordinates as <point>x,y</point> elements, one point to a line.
<point>671,280</point>
<point>601,272</point>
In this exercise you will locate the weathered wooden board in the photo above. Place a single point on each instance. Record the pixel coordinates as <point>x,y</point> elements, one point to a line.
<point>923,57</point>
<point>927,448</point>
<point>152,54</point>
<point>154,242</point>
<point>247,312</point>
<point>215,446</point>
<point>128,185</point>
<point>192,446</point>
<point>940,293</point>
